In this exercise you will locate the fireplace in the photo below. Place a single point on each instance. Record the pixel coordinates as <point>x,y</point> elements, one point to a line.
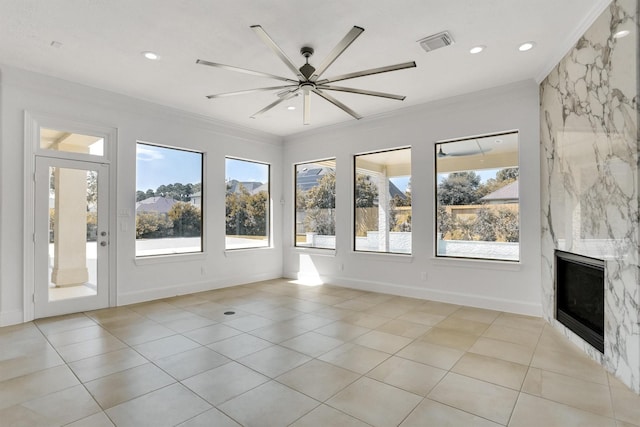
<point>580,296</point>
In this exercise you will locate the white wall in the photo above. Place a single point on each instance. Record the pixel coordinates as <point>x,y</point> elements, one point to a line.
<point>497,285</point>
<point>134,120</point>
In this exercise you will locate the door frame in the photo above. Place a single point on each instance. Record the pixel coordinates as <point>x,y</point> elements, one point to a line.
<point>32,124</point>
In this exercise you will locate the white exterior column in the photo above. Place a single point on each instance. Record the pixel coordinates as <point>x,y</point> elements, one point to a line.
<point>383,210</point>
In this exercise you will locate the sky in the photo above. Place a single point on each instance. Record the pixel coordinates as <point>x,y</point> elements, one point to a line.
<point>156,166</point>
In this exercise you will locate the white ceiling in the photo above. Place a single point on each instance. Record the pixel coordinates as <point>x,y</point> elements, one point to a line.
<point>101,42</point>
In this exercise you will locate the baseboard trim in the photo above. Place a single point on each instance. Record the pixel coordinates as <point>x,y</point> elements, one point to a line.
<point>14,317</point>
<point>500,304</point>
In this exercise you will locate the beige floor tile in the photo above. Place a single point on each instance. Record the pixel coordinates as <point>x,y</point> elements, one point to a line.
<point>355,357</point>
<point>449,338</point>
<point>571,391</point>
<point>239,345</point>
<point>65,406</point>
<point>382,341</point>
<point>120,317</point>
<point>106,364</point>
<point>224,382</point>
<point>525,323</point>
<point>191,362</point>
<point>279,332</point>
<point>74,336</point>
<point>248,323</point>
<point>432,413</point>
<point>83,350</point>
<point>211,334</point>
<point>53,325</point>
<point>390,310</point>
<point>165,407</point>
<point>23,364</point>
<point>492,370</point>
<point>96,420</point>
<point>532,411</point>
<point>188,323</point>
<point>142,332</point>
<point>271,404</point>
<point>435,307</point>
<point>378,404</point>
<point>404,328</point>
<point>366,320</point>
<point>37,384</point>
<point>325,415</point>
<point>476,314</point>
<point>422,317</point>
<point>20,348</point>
<point>116,388</point>
<point>164,347</point>
<point>318,379</point>
<point>312,344</point>
<point>274,361</point>
<point>310,321</point>
<point>185,300</point>
<point>342,330</point>
<point>304,306</point>
<point>477,397</point>
<point>354,304</point>
<point>168,315</point>
<point>278,314</point>
<point>408,375</point>
<point>211,418</point>
<point>626,404</point>
<point>503,350</point>
<point>19,416</point>
<point>513,335</point>
<point>578,366</point>
<point>431,354</point>
<point>335,313</point>
<point>464,325</point>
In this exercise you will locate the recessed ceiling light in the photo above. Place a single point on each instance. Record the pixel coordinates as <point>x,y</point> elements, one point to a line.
<point>620,34</point>
<point>526,46</point>
<point>151,55</point>
<point>477,49</point>
<point>498,141</point>
<point>291,108</point>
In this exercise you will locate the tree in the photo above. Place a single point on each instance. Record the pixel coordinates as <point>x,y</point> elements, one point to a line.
<point>319,203</point>
<point>508,174</point>
<point>256,207</point>
<point>444,221</point>
<point>186,219</point>
<point>507,226</point>
<point>459,188</point>
<point>150,193</point>
<point>365,192</point>
<point>153,225</point>
<point>140,195</point>
<point>484,226</point>
<point>503,177</point>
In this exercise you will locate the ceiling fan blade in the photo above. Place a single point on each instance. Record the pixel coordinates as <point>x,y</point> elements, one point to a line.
<point>368,72</point>
<point>346,41</point>
<point>243,70</point>
<point>307,107</point>
<point>273,104</point>
<point>337,103</point>
<point>276,49</point>
<point>242,92</point>
<point>362,92</point>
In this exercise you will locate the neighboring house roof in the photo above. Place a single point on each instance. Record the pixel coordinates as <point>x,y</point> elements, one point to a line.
<point>252,187</point>
<point>155,204</point>
<point>508,192</point>
<point>309,178</point>
<point>196,194</point>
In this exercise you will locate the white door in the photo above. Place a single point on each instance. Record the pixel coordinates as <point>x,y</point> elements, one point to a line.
<point>71,236</point>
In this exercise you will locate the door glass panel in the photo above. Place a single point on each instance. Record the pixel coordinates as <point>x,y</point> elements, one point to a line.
<point>73,225</point>
<point>51,139</point>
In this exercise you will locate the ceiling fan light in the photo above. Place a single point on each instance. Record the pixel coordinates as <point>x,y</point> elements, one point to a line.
<point>150,55</point>
<point>526,46</point>
<point>477,49</point>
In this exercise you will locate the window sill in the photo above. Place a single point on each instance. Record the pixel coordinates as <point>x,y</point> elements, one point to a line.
<point>162,259</point>
<point>385,257</point>
<point>486,264</point>
<point>314,251</point>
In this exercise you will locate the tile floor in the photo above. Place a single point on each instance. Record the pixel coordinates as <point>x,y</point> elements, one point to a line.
<point>293,355</point>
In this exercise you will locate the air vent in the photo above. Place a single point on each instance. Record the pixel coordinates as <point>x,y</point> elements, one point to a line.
<point>436,41</point>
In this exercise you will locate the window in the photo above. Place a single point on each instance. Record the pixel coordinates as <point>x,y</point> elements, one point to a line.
<point>316,204</point>
<point>168,200</point>
<point>477,199</point>
<point>55,140</point>
<point>382,189</point>
<point>247,203</point>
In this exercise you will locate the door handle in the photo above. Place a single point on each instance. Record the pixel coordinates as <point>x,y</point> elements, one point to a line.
<point>103,243</point>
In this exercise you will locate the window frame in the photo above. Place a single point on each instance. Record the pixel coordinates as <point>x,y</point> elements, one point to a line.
<point>354,177</point>
<point>501,261</point>
<point>142,258</point>
<point>269,208</point>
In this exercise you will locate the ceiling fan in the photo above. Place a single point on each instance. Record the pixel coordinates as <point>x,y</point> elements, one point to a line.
<point>474,152</point>
<point>308,77</point>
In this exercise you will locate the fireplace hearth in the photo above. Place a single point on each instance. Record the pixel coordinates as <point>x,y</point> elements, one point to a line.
<point>580,296</point>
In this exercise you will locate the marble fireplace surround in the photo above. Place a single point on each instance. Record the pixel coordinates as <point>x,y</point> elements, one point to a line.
<point>589,178</point>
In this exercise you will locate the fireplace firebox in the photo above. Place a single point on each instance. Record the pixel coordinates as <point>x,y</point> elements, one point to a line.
<point>580,296</point>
